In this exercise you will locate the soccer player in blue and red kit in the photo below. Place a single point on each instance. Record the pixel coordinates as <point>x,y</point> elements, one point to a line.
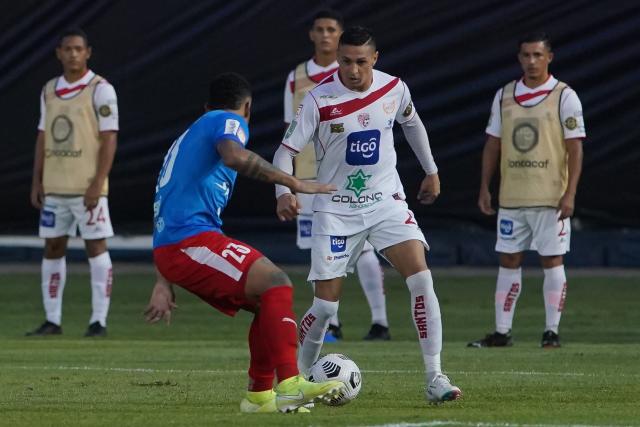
<point>193,188</point>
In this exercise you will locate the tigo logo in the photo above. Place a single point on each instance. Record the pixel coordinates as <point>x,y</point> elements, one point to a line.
<point>338,243</point>
<point>506,227</point>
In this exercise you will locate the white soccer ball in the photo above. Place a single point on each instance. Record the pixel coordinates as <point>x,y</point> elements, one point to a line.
<point>338,367</point>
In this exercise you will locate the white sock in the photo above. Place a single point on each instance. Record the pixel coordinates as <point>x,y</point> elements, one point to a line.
<point>508,287</point>
<point>555,292</point>
<point>311,332</point>
<point>425,311</point>
<point>371,280</point>
<point>335,321</point>
<point>54,277</point>
<point>101,281</point>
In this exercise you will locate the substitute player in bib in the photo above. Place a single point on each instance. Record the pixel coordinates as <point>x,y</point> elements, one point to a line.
<point>349,118</point>
<point>325,32</point>
<point>194,186</point>
<point>75,147</point>
<point>535,131</point>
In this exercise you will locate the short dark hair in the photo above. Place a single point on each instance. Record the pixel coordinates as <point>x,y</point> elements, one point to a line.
<point>358,36</point>
<point>535,37</point>
<point>328,14</point>
<point>227,91</point>
<point>74,32</point>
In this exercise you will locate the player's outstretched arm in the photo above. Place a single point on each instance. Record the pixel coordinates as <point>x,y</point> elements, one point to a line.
<point>162,301</point>
<point>252,165</point>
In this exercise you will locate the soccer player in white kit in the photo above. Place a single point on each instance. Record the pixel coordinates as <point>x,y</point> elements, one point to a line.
<point>349,118</point>
<point>535,134</point>
<point>326,28</point>
<point>75,147</point>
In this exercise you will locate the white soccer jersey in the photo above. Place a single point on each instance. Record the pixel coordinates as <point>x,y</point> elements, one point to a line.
<point>315,72</point>
<point>353,137</point>
<point>570,107</point>
<point>104,100</point>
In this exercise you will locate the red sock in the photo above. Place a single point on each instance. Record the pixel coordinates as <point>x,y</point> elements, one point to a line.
<point>279,329</point>
<point>261,372</point>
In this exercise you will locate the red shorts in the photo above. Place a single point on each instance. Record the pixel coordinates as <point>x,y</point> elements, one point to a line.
<point>212,266</point>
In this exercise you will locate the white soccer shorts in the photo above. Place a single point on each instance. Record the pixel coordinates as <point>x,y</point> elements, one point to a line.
<point>536,229</point>
<point>336,255</point>
<point>63,216</point>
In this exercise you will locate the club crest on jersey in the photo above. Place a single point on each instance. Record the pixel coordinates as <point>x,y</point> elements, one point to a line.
<point>338,243</point>
<point>363,148</point>
<point>364,119</point>
<point>389,107</point>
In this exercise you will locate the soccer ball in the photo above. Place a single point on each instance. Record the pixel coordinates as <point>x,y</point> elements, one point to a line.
<point>338,367</point>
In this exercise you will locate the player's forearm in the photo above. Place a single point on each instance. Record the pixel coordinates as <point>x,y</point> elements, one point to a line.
<point>106,154</point>
<point>283,160</point>
<point>253,166</point>
<point>490,157</point>
<point>418,140</point>
<point>38,158</point>
<point>574,160</point>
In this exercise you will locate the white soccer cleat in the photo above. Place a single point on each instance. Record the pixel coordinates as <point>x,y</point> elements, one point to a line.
<point>441,390</point>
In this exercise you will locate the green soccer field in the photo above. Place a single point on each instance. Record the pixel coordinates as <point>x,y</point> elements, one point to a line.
<point>193,371</point>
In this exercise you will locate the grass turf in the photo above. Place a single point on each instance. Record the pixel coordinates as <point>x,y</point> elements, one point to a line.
<point>193,372</point>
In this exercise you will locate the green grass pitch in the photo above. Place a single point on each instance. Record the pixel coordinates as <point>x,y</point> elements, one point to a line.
<point>192,372</point>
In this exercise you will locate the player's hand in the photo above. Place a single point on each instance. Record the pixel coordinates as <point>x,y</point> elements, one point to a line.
<point>37,195</point>
<point>484,202</point>
<point>566,205</point>
<point>288,207</point>
<point>312,187</point>
<point>92,195</point>
<point>429,189</point>
<point>162,302</point>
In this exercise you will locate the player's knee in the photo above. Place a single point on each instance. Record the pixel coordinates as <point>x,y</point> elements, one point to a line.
<point>55,248</point>
<point>510,260</point>
<point>278,277</point>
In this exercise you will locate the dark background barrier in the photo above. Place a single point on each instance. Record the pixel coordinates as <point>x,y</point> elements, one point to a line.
<point>454,56</point>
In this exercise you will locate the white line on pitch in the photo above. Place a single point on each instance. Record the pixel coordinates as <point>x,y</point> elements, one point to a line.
<point>437,423</point>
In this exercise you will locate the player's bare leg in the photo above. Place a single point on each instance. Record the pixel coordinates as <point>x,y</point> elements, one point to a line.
<point>409,260</point>
<point>278,328</point>
<point>315,321</point>
<point>54,277</point>
<point>101,284</point>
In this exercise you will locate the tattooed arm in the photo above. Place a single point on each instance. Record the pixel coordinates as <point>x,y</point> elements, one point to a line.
<point>253,166</point>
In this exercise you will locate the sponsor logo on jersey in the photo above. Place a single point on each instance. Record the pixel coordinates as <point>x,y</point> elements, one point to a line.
<point>290,129</point>
<point>542,164</point>
<point>407,111</point>
<point>389,107</point>
<point>357,182</point>
<point>524,137</point>
<point>571,123</point>
<point>298,111</point>
<point>337,127</point>
<point>47,219</point>
<point>389,123</point>
<point>364,119</point>
<point>338,244</point>
<point>506,227</point>
<point>231,126</point>
<point>335,111</point>
<point>358,202</point>
<point>305,228</point>
<point>104,110</point>
<point>62,153</point>
<point>363,148</point>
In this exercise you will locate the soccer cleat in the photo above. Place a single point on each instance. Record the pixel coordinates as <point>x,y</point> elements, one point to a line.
<point>295,392</point>
<point>333,333</point>
<point>263,402</point>
<point>441,390</point>
<point>550,340</point>
<point>495,339</point>
<point>96,330</point>
<point>47,328</point>
<point>377,332</point>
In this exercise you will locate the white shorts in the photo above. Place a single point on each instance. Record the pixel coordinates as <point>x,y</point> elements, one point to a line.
<point>536,229</point>
<point>336,255</point>
<point>62,216</point>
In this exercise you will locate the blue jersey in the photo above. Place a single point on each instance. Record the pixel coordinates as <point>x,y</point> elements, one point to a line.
<point>194,185</point>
